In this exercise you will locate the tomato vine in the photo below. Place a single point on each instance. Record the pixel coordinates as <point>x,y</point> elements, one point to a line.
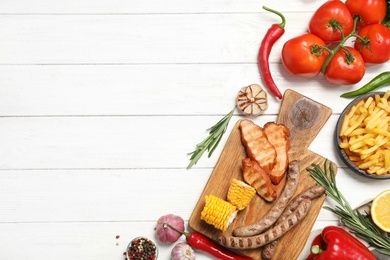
<point>332,52</point>
<point>386,21</point>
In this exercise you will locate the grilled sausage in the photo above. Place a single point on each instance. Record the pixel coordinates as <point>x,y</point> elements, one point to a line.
<point>269,250</point>
<point>271,234</point>
<point>313,192</point>
<point>280,204</point>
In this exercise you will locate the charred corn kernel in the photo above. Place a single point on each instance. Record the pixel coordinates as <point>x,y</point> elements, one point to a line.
<point>218,212</point>
<point>240,194</point>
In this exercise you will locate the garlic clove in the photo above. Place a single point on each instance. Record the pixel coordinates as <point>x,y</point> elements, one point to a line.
<point>252,100</point>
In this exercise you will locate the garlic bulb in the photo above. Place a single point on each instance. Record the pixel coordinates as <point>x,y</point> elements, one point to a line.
<point>252,100</point>
<point>166,234</point>
<point>183,251</point>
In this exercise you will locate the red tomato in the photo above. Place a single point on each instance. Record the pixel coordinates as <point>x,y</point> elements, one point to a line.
<point>329,19</point>
<point>345,68</point>
<point>301,55</point>
<point>377,49</point>
<point>371,11</point>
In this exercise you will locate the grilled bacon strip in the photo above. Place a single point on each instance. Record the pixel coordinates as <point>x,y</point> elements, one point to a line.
<point>256,177</point>
<point>257,145</point>
<point>278,136</point>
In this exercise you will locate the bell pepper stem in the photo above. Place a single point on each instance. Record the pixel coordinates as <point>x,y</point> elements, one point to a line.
<point>315,249</point>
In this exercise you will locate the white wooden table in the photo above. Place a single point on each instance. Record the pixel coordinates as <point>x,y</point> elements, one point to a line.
<point>101,100</point>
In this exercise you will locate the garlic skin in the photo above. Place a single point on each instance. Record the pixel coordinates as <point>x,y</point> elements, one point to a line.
<point>183,251</point>
<point>166,234</point>
<point>252,100</point>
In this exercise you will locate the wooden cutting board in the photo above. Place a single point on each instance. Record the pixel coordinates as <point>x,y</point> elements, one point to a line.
<point>304,118</point>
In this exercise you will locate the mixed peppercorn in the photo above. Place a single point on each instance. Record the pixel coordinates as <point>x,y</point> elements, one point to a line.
<point>142,249</point>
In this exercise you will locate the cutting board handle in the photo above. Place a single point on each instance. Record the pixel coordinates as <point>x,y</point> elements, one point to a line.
<point>303,116</point>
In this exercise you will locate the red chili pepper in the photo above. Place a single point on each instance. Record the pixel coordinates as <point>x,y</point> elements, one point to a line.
<point>272,35</point>
<point>198,241</point>
<point>336,243</point>
<point>201,242</point>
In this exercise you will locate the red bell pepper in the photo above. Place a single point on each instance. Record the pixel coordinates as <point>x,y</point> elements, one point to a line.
<point>336,243</point>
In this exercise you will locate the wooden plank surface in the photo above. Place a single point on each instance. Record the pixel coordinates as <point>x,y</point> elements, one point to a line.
<point>304,118</point>
<point>145,6</point>
<point>101,100</point>
<point>126,89</point>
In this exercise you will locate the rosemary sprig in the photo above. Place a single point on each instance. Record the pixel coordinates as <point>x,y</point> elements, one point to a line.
<point>360,225</point>
<point>211,142</point>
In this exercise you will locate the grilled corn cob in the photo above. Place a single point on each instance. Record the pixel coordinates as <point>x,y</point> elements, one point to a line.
<point>218,212</point>
<point>240,194</point>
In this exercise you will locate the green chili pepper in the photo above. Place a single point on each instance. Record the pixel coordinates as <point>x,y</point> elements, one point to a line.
<point>378,81</point>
